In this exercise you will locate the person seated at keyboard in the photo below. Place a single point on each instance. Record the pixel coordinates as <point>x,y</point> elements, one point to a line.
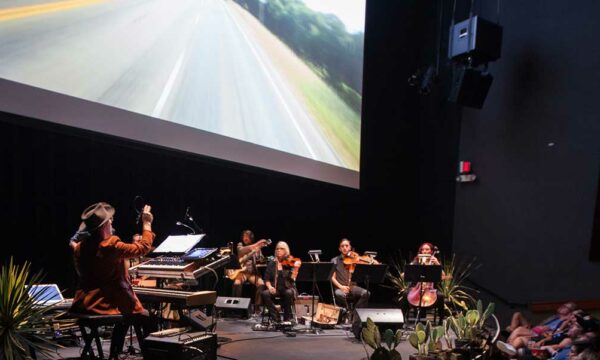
<point>104,285</point>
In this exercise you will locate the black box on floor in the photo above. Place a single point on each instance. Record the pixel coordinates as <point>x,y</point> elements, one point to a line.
<point>383,318</point>
<point>233,306</point>
<point>185,346</point>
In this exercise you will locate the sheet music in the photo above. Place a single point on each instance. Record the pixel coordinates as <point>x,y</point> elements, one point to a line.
<point>178,244</point>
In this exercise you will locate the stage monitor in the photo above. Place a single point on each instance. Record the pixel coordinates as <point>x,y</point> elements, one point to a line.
<point>271,84</point>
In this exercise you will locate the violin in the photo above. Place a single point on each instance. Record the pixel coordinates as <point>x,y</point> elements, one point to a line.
<point>352,258</point>
<point>289,261</point>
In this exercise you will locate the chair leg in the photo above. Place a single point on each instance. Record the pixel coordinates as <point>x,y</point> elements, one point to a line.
<point>96,337</point>
<point>87,340</point>
<point>139,335</point>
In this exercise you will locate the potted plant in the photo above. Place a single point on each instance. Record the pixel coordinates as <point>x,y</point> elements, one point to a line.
<point>395,275</point>
<point>457,296</point>
<point>471,335</point>
<point>426,339</point>
<point>22,317</point>
<point>372,337</point>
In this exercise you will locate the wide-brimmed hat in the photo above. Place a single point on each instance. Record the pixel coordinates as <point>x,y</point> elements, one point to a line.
<point>96,215</point>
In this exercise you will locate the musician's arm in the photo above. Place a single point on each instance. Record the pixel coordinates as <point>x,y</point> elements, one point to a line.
<point>243,250</point>
<point>295,270</point>
<point>270,277</point>
<point>335,281</point>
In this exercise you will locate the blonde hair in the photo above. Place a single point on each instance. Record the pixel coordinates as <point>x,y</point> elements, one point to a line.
<point>285,246</point>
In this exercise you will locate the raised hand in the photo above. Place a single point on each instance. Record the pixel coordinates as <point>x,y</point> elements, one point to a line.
<point>147,216</point>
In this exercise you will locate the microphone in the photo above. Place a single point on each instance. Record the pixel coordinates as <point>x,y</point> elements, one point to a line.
<point>179,223</point>
<point>189,217</point>
<point>135,207</point>
<point>79,236</point>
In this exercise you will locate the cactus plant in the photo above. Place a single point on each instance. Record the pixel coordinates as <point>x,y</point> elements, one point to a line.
<point>372,337</point>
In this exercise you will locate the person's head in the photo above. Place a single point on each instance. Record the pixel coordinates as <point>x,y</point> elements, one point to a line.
<point>566,309</point>
<point>247,237</point>
<point>345,246</point>
<point>575,331</point>
<point>426,248</point>
<point>282,250</point>
<point>97,220</point>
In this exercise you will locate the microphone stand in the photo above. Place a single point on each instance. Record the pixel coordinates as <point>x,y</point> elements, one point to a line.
<point>179,223</point>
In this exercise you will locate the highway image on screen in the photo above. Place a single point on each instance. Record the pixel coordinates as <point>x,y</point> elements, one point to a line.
<point>284,74</point>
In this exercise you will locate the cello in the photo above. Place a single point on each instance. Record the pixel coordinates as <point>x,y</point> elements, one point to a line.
<point>424,294</point>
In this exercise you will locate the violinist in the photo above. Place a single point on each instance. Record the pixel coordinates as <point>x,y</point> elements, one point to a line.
<point>280,280</point>
<point>341,279</point>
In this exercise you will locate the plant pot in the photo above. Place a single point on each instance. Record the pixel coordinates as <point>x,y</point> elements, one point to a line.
<point>424,357</point>
<point>462,344</point>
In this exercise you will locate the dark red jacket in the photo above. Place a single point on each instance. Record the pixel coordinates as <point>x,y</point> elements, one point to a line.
<point>104,286</point>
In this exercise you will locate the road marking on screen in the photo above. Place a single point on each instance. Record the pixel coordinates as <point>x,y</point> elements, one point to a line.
<point>32,10</point>
<point>272,82</point>
<point>168,87</point>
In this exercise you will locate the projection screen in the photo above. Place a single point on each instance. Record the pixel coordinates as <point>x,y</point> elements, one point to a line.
<point>275,84</point>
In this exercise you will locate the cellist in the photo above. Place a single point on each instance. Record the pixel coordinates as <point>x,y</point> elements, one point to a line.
<point>425,256</point>
<point>341,279</point>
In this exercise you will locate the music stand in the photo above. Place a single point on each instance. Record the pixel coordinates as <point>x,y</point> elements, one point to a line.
<point>369,273</point>
<point>313,272</point>
<point>422,274</point>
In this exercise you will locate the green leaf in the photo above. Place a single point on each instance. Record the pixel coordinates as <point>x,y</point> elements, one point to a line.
<point>431,346</point>
<point>472,317</point>
<point>377,337</point>
<point>488,311</point>
<point>368,336</point>
<point>21,321</point>
<point>370,324</point>
<point>413,339</point>
<point>397,338</point>
<point>422,336</point>
<point>388,338</point>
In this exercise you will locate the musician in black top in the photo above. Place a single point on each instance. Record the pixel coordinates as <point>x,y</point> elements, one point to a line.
<point>249,253</point>
<point>280,279</point>
<point>344,289</point>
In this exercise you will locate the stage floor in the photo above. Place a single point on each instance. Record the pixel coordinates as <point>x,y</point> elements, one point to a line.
<point>238,341</point>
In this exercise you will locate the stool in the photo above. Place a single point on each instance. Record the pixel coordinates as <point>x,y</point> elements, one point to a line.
<point>93,322</point>
<point>277,300</point>
<point>347,310</point>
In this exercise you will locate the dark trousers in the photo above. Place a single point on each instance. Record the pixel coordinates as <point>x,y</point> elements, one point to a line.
<point>357,295</point>
<point>287,295</point>
<point>144,323</point>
